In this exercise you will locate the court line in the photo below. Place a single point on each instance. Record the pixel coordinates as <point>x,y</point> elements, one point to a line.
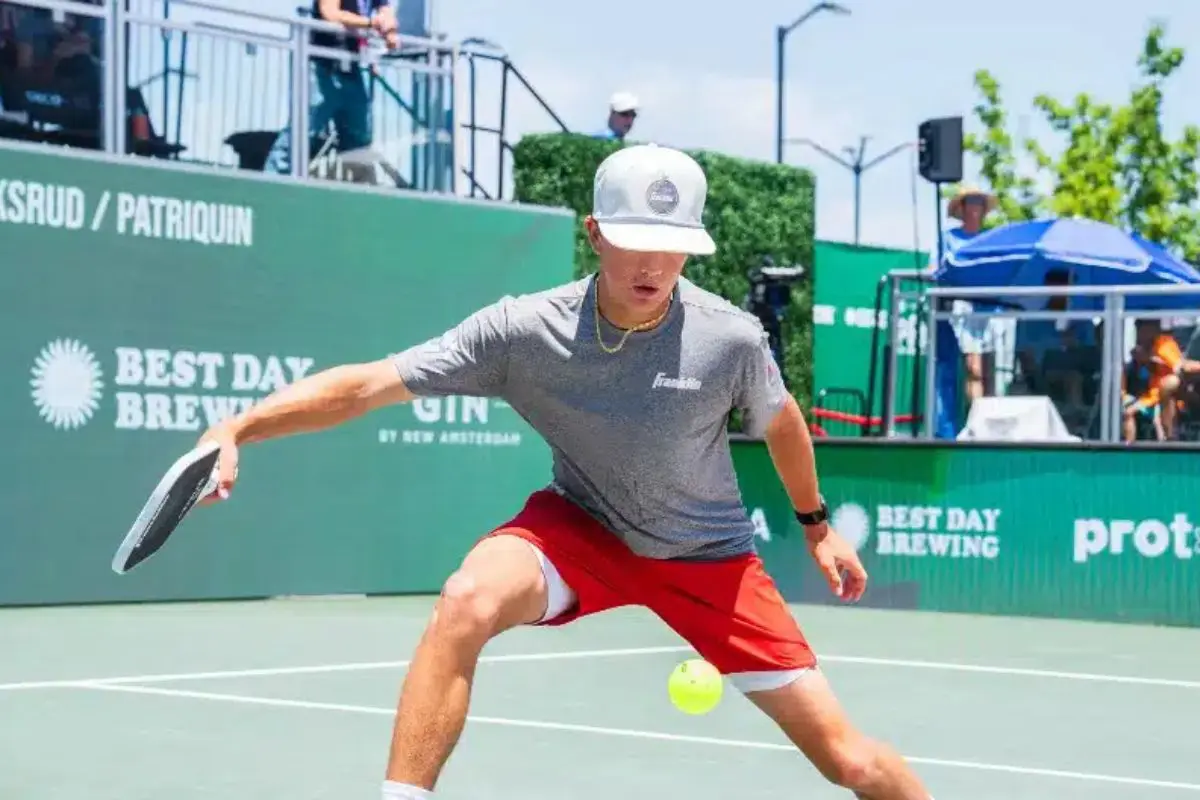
<point>949,666</point>
<point>325,668</point>
<point>634,734</point>
<point>1019,671</point>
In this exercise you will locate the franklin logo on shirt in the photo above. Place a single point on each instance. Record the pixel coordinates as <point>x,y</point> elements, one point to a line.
<point>661,381</point>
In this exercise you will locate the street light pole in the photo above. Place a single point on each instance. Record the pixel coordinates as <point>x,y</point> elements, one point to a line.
<point>781,34</point>
<point>858,166</point>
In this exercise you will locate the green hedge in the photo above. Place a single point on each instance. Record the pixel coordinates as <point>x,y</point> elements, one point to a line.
<point>754,209</point>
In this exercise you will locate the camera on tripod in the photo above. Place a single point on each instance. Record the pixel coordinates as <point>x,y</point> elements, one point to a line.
<point>769,297</point>
<point>771,287</point>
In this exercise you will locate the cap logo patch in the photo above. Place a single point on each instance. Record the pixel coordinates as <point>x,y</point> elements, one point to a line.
<point>662,197</point>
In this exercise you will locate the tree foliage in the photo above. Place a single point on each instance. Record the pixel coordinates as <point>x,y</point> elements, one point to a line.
<point>1113,162</point>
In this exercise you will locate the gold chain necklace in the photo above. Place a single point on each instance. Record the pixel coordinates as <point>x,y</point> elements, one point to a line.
<point>643,326</point>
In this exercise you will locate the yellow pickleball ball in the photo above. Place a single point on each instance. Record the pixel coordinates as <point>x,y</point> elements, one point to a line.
<point>695,686</point>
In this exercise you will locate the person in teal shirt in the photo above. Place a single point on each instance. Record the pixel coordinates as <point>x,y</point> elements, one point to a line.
<point>338,90</point>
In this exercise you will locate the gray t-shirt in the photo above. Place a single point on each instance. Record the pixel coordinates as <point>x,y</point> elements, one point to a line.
<point>638,436</point>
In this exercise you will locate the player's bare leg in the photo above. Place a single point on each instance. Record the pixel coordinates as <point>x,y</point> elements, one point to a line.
<point>812,718</point>
<point>499,586</point>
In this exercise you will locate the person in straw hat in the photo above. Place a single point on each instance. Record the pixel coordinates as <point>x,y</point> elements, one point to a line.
<point>976,335</point>
<point>970,205</point>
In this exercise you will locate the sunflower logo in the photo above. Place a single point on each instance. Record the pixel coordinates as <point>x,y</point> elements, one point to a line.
<point>66,384</point>
<point>853,523</point>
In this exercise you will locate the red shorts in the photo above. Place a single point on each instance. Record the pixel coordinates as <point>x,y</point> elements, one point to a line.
<point>728,610</point>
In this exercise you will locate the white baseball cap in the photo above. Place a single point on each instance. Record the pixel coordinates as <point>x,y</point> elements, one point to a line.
<point>651,199</point>
<point>623,101</point>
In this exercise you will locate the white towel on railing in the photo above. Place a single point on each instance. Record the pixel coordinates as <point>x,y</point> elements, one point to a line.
<point>1015,419</point>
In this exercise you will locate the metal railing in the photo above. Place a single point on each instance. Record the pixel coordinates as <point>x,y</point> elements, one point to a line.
<point>894,380</point>
<point>231,90</point>
<point>477,52</point>
<point>1113,322</point>
<point>841,411</point>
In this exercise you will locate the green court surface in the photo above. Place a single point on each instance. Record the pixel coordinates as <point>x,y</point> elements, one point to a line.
<point>294,699</point>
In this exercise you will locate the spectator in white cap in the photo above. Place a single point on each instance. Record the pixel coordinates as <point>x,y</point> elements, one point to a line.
<point>622,111</point>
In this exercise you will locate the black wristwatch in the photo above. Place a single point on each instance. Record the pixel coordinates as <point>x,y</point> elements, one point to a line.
<point>813,518</point>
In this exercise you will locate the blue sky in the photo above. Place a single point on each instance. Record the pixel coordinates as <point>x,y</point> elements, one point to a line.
<point>704,71</point>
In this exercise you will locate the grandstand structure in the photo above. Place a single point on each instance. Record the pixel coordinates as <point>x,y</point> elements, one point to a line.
<point>214,85</point>
<point>900,397</point>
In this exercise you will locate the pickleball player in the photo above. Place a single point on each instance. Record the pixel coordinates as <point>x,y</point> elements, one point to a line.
<point>630,375</point>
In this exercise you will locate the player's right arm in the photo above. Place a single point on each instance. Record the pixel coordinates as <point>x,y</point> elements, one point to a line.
<point>322,400</point>
<point>469,359</point>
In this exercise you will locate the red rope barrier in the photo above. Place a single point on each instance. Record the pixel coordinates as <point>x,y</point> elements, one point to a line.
<point>857,419</point>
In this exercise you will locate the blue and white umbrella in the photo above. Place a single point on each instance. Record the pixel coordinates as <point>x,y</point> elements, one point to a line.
<point>1094,253</point>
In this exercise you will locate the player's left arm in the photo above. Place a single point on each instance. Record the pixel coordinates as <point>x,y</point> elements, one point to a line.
<point>770,412</point>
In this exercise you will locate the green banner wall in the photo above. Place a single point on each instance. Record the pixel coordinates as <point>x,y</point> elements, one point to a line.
<point>142,303</point>
<point>844,315</point>
<point>1069,533</point>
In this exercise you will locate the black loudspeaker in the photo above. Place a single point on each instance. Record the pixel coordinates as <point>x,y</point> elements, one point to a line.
<point>940,143</point>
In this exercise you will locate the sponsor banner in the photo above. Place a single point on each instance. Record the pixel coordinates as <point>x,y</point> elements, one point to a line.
<point>149,302</point>
<point>154,388</point>
<point>921,531</point>
<point>1176,537</point>
<point>103,210</point>
<point>1084,533</point>
<point>455,421</point>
